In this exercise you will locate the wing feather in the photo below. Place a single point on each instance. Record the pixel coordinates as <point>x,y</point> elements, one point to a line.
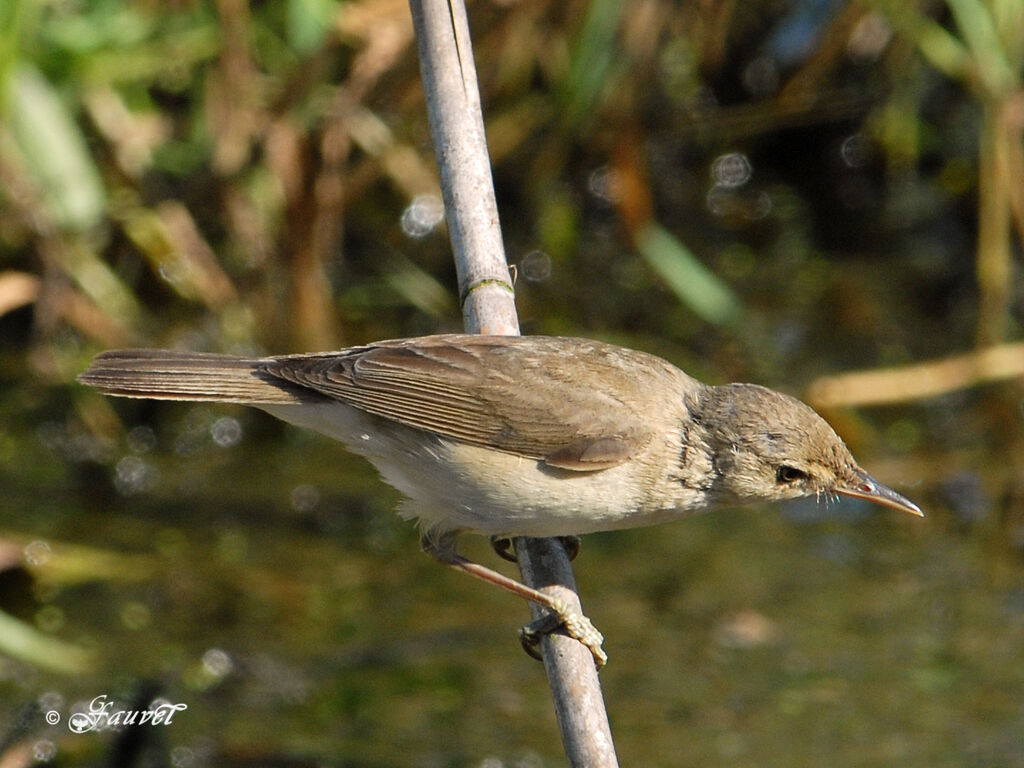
<point>585,413</point>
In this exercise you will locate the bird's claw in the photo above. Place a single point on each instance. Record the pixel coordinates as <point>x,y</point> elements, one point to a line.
<point>575,625</point>
<point>502,546</point>
<point>571,544</point>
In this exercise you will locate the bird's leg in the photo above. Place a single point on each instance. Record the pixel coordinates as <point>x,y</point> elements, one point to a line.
<point>502,546</point>
<point>576,625</point>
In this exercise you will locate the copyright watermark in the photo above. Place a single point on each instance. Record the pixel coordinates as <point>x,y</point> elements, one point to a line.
<point>101,715</point>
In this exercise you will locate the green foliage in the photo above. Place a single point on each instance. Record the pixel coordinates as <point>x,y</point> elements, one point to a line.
<point>52,151</point>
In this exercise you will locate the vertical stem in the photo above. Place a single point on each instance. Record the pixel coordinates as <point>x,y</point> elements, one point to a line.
<point>994,258</point>
<point>488,306</point>
<point>460,146</point>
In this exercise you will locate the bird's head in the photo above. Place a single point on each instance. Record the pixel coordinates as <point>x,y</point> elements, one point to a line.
<point>769,446</point>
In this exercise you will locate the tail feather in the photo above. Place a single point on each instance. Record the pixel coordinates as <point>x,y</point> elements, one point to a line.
<point>168,375</point>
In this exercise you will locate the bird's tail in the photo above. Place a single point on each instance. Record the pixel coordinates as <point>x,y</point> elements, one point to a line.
<point>164,374</point>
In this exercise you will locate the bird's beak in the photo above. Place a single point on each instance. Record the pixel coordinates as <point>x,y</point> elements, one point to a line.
<point>863,486</point>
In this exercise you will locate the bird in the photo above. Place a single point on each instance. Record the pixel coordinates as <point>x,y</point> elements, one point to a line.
<point>508,436</point>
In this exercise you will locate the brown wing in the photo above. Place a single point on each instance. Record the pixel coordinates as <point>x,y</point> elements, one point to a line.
<point>574,403</point>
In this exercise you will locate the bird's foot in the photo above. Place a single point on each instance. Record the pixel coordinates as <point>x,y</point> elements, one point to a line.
<point>502,546</point>
<point>571,544</point>
<point>574,624</point>
<point>560,614</point>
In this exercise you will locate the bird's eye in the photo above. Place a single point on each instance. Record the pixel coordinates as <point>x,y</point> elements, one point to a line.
<point>788,474</point>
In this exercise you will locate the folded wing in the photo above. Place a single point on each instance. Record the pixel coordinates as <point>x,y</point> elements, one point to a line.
<point>575,404</point>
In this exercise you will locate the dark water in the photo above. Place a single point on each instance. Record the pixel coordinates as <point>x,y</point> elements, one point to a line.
<point>257,575</point>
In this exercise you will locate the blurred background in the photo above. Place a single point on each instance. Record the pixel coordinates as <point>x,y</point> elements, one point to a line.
<point>782,191</point>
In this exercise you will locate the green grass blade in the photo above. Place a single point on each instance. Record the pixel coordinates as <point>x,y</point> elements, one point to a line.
<point>695,285</point>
